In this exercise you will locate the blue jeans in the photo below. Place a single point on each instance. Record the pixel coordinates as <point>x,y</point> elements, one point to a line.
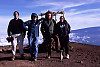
<point>33,44</point>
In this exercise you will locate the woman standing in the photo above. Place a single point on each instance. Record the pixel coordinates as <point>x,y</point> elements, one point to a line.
<point>63,33</point>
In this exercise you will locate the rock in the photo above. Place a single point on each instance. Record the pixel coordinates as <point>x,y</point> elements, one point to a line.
<point>81,62</point>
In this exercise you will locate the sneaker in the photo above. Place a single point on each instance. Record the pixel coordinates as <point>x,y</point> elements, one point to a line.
<point>49,57</point>
<point>13,58</point>
<point>35,59</point>
<point>61,56</point>
<point>67,56</point>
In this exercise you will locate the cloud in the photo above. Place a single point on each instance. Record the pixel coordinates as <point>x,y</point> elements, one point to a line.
<point>83,19</point>
<point>54,5</point>
<point>84,11</point>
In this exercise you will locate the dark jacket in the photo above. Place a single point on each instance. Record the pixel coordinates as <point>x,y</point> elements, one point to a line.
<point>15,27</point>
<point>48,27</point>
<point>63,29</point>
<point>33,28</point>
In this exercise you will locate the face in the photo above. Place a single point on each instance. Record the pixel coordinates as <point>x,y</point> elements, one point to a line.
<point>16,15</point>
<point>61,19</point>
<point>49,16</point>
<point>34,18</point>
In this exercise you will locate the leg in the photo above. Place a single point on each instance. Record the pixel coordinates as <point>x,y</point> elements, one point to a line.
<point>67,48</point>
<point>49,49</point>
<point>49,46</point>
<point>20,44</point>
<point>48,43</point>
<point>61,48</point>
<point>14,44</point>
<point>35,47</point>
<point>30,39</point>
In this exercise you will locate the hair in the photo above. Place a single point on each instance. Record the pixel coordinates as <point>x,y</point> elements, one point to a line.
<point>48,12</point>
<point>16,12</point>
<point>65,21</point>
<point>61,17</point>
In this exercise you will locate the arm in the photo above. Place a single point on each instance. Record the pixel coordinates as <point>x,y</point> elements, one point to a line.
<point>9,29</point>
<point>26,24</point>
<point>23,29</point>
<point>55,27</point>
<point>42,28</point>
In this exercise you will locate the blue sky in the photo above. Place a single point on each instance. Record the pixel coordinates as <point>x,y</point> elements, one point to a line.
<point>79,13</point>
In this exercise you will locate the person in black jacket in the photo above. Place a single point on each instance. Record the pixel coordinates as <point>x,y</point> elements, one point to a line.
<point>63,33</point>
<point>16,30</point>
<point>47,29</point>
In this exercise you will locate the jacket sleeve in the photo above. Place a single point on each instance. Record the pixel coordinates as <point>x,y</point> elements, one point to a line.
<point>23,29</point>
<point>42,28</point>
<point>25,24</point>
<point>55,27</point>
<point>9,29</point>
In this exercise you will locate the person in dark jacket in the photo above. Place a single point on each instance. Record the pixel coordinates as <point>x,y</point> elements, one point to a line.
<point>63,33</point>
<point>33,34</point>
<point>47,29</point>
<point>16,30</point>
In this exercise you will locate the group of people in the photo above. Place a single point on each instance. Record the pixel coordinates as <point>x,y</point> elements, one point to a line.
<point>49,28</point>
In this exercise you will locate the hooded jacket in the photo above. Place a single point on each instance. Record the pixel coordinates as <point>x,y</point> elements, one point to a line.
<point>33,27</point>
<point>63,28</point>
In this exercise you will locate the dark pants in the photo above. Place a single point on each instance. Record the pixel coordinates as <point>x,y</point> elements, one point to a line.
<point>64,43</point>
<point>48,43</point>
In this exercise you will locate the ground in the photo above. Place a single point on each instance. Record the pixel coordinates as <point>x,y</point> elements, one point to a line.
<point>81,55</point>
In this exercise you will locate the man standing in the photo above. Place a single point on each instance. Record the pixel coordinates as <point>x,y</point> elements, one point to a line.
<point>15,30</point>
<point>63,33</point>
<point>47,29</point>
<point>33,34</point>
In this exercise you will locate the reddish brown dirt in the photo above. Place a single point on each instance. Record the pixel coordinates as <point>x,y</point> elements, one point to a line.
<point>82,55</point>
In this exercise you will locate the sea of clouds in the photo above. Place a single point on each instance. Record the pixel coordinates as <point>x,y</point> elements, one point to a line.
<point>86,36</point>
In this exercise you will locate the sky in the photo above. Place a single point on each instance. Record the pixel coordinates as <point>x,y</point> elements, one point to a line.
<point>79,13</point>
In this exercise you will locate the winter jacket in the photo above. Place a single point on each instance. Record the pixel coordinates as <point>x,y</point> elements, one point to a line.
<point>48,27</point>
<point>33,28</point>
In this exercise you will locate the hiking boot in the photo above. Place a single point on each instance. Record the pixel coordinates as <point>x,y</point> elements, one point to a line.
<point>22,56</point>
<point>32,58</point>
<point>67,56</point>
<point>61,56</point>
<point>13,58</point>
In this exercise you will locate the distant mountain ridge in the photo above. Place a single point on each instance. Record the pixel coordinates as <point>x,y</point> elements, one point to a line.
<point>87,35</point>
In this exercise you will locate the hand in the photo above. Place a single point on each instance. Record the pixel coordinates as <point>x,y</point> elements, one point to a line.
<point>39,22</point>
